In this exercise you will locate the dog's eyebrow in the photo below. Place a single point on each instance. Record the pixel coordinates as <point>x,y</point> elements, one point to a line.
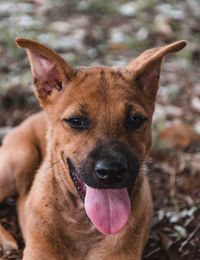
<point>128,108</point>
<point>84,109</point>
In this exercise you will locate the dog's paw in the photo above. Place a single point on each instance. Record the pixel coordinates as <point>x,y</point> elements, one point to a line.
<point>7,242</point>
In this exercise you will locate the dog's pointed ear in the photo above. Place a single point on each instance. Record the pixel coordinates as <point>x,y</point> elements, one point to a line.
<point>146,67</point>
<point>50,72</point>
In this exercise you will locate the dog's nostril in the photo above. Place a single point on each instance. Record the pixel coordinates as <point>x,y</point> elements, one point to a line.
<point>102,174</point>
<point>110,170</point>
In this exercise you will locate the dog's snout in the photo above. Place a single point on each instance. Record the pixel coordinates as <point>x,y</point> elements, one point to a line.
<point>112,166</point>
<point>111,171</point>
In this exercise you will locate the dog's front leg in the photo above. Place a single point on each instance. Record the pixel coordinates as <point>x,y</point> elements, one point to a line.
<point>20,156</point>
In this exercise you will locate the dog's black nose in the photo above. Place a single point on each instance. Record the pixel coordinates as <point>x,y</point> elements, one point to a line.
<point>111,171</point>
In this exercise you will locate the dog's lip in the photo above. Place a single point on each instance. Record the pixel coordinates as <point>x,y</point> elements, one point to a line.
<point>78,183</point>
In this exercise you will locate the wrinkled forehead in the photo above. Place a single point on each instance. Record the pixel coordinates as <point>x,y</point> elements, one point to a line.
<point>100,87</point>
<point>104,81</point>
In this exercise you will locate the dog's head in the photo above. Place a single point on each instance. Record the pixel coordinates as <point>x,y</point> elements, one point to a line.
<point>99,125</point>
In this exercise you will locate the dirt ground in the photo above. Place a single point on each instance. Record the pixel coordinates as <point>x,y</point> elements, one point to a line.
<point>109,33</point>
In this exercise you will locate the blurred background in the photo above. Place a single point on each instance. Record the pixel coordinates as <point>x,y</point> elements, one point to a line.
<point>112,33</point>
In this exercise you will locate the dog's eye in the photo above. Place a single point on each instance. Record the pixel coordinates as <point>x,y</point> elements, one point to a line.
<point>78,123</point>
<point>135,121</point>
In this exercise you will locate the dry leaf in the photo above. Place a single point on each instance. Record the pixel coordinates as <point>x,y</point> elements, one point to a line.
<point>178,136</point>
<point>169,248</point>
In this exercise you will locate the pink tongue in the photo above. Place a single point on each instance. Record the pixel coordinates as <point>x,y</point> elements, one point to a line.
<point>108,209</point>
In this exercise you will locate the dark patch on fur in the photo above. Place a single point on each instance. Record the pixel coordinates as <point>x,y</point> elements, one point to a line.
<point>119,75</point>
<point>35,80</point>
<point>102,76</point>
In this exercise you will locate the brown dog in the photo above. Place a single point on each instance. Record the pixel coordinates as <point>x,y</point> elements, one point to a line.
<point>90,199</point>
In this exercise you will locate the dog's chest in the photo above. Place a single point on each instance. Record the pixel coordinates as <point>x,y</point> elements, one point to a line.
<point>78,230</point>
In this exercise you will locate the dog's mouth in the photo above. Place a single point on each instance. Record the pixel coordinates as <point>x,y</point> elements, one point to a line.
<point>78,183</point>
<point>108,209</point>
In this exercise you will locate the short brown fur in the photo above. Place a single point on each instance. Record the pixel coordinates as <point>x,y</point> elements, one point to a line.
<point>51,213</point>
